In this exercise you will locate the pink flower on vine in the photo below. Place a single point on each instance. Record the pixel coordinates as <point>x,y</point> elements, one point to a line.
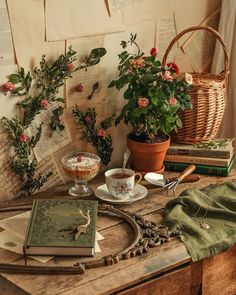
<point>143,102</point>
<point>87,119</point>
<point>23,138</point>
<point>44,103</point>
<point>172,101</point>
<point>79,88</point>
<point>167,76</point>
<point>70,67</point>
<point>101,132</point>
<point>9,86</point>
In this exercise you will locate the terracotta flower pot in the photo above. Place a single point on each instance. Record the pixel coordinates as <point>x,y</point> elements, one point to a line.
<point>147,157</point>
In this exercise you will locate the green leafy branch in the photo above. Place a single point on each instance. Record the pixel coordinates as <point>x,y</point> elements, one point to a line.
<point>49,77</point>
<point>99,137</point>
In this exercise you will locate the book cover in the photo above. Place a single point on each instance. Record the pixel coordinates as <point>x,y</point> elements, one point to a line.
<point>198,160</point>
<point>224,152</point>
<point>201,169</point>
<point>52,227</point>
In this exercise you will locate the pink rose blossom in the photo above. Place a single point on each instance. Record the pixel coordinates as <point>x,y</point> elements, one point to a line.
<point>172,101</point>
<point>138,62</point>
<point>44,103</point>
<point>9,86</point>
<point>153,51</point>
<point>188,78</point>
<point>167,76</point>
<point>87,119</point>
<point>101,133</point>
<point>70,67</point>
<point>143,102</point>
<point>79,88</point>
<point>23,138</point>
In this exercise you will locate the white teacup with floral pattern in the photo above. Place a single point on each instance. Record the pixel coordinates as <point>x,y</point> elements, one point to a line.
<point>121,185</point>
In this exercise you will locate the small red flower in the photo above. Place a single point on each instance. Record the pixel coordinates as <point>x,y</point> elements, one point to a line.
<point>153,51</point>
<point>79,88</point>
<point>9,86</point>
<point>87,119</point>
<point>143,102</point>
<point>70,67</point>
<point>44,103</point>
<point>79,158</point>
<point>174,67</point>
<point>101,133</point>
<point>23,138</point>
<point>172,101</point>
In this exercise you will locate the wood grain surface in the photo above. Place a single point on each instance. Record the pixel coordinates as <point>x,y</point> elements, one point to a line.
<point>126,274</point>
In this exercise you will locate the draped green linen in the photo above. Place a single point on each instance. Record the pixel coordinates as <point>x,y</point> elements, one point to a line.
<point>215,206</point>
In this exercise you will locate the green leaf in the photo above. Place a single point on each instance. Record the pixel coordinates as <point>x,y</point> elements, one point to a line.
<point>14,78</point>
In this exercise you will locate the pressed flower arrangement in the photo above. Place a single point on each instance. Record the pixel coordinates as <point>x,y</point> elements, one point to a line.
<point>48,78</point>
<point>153,96</point>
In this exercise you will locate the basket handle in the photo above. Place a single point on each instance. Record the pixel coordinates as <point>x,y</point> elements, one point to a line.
<point>196,28</point>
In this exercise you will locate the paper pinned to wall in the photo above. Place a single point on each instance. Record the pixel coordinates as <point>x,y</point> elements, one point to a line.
<point>28,28</point>
<point>6,45</point>
<point>200,46</point>
<point>166,31</point>
<point>9,183</point>
<point>78,18</point>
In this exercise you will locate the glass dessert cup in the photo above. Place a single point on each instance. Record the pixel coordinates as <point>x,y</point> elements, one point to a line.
<point>81,167</point>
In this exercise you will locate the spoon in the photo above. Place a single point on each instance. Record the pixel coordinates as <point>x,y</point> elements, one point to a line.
<point>125,159</point>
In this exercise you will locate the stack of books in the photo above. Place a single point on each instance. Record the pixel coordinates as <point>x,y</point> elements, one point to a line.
<point>213,161</point>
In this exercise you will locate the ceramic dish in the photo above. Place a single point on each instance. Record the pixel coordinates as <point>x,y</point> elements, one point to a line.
<point>139,192</point>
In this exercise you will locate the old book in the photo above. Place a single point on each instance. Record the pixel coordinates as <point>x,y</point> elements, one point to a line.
<point>54,226</point>
<point>201,169</point>
<point>198,160</point>
<point>224,152</point>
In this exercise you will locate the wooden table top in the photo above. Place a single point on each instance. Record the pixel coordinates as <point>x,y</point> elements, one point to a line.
<point>110,279</point>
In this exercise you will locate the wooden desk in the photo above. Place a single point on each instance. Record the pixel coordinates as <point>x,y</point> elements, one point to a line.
<point>166,269</point>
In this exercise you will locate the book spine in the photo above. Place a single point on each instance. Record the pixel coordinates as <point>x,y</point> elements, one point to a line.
<point>197,160</point>
<point>200,153</point>
<point>201,169</point>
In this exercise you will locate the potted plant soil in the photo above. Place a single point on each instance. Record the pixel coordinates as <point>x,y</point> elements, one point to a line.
<point>153,96</point>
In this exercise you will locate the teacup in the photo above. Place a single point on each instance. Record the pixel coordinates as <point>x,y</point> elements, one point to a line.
<point>121,185</point>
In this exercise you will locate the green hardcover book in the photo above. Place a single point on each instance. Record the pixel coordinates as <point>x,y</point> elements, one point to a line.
<point>52,228</point>
<point>224,152</point>
<point>201,169</point>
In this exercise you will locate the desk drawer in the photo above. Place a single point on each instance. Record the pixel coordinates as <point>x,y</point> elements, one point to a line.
<point>174,283</point>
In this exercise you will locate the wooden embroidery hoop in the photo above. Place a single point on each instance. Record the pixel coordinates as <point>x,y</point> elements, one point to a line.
<point>147,234</point>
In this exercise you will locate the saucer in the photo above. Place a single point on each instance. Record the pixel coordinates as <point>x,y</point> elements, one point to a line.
<point>139,192</point>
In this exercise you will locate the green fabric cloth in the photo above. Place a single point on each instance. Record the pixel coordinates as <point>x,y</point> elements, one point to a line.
<point>218,204</point>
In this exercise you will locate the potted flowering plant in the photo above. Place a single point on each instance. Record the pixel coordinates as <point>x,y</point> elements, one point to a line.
<point>154,95</point>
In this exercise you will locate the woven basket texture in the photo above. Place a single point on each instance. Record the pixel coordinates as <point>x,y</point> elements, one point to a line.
<point>208,96</point>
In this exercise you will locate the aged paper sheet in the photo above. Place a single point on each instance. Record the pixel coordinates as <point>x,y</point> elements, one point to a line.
<point>79,18</point>
<point>28,27</point>
<point>8,102</point>
<point>201,45</point>
<point>147,10</point>
<point>165,33</point>
<point>46,165</point>
<point>50,141</point>
<point>6,45</point>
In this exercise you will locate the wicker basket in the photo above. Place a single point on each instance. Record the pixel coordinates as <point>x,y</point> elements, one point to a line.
<point>208,96</point>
